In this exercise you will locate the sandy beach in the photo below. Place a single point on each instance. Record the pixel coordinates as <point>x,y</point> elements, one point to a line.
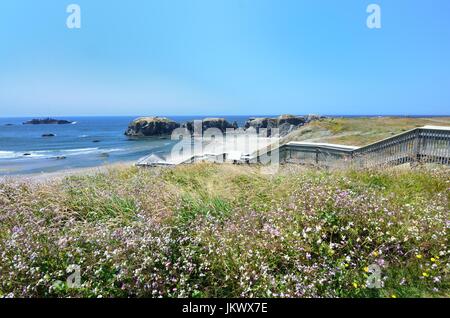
<point>44,177</point>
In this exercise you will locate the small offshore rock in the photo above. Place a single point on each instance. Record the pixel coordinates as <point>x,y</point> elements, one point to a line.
<point>47,121</point>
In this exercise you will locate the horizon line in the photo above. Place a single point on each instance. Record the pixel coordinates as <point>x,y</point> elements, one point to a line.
<point>229,115</point>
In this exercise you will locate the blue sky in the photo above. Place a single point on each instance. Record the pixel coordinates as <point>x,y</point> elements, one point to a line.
<point>228,57</point>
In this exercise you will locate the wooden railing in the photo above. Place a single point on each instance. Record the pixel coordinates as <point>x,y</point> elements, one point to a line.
<point>429,144</point>
<point>316,154</point>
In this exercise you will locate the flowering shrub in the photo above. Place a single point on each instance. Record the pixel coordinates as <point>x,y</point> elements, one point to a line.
<point>227,231</point>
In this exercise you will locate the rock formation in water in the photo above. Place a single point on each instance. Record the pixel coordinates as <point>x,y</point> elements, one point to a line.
<point>220,123</point>
<point>151,126</point>
<point>47,121</point>
<point>284,123</point>
<point>160,126</point>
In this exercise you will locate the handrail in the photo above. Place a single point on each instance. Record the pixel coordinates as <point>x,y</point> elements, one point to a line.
<point>426,144</point>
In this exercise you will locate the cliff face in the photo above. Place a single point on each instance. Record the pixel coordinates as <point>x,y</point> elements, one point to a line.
<point>219,123</point>
<point>258,123</point>
<point>158,126</point>
<point>291,120</point>
<point>284,123</point>
<point>151,126</point>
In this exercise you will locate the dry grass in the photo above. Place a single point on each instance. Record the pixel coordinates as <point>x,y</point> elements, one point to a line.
<point>360,131</point>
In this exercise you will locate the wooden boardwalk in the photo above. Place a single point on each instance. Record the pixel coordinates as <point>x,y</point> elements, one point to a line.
<point>429,144</point>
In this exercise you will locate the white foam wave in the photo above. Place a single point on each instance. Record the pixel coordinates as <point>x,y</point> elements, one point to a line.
<point>113,150</point>
<point>48,154</point>
<point>15,154</point>
<point>7,154</point>
<point>80,151</point>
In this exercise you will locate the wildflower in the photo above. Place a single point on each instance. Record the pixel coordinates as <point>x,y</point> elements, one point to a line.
<point>433,259</point>
<point>418,256</point>
<point>366,269</point>
<point>375,254</point>
<point>355,285</point>
<point>425,274</point>
<point>393,296</point>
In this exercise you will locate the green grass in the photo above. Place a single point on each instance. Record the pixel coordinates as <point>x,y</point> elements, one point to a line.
<point>209,230</point>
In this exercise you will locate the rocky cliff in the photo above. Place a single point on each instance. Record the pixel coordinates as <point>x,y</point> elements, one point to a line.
<point>158,126</point>
<point>151,126</point>
<point>219,123</point>
<point>284,123</point>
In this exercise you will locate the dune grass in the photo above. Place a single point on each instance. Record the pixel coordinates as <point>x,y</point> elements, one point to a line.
<point>360,131</point>
<point>208,230</point>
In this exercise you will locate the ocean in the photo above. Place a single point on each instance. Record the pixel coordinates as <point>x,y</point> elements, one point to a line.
<point>88,142</point>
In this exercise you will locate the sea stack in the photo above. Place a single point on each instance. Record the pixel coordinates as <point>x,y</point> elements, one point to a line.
<point>47,121</point>
<point>284,123</point>
<point>220,123</point>
<point>151,126</point>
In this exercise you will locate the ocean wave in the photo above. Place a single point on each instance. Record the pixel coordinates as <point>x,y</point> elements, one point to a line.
<point>15,155</point>
<point>79,151</point>
<point>7,154</point>
<point>50,154</point>
<point>113,150</point>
